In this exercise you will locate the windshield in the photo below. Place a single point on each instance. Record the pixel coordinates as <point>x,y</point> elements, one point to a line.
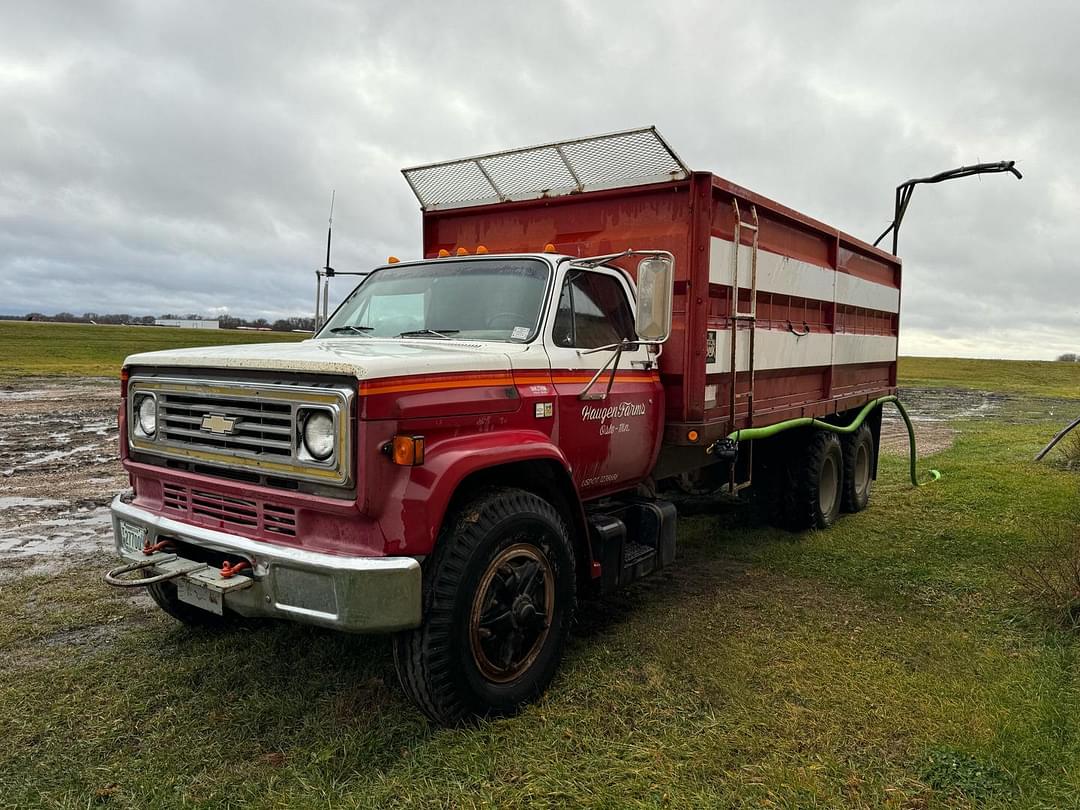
<point>494,299</point>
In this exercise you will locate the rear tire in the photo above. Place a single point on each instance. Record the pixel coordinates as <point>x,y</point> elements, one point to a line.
<point>499,596</point>
<point>858,468</point>
<point>815,483</point>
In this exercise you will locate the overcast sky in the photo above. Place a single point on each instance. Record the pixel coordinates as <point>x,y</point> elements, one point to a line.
<point>179,156</point>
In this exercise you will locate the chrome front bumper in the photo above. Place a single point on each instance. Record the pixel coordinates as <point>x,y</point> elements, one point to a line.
<point>357,594</point>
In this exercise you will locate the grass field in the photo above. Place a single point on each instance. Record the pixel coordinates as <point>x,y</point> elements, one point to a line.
<point>82,350</point>
<point>889,662</point>
<point>1036,377</point>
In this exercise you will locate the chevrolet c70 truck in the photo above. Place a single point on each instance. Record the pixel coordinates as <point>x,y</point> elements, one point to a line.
<point>476,438</point>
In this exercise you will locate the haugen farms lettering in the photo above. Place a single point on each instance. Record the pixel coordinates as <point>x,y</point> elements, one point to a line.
<point>592,413</point>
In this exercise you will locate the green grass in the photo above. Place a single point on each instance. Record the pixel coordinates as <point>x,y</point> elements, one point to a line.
<point>888,662</point>
<point>63,349</point>
<point>1036,377</point>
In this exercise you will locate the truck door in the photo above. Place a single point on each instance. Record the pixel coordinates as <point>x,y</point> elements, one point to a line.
<point>611,442</point>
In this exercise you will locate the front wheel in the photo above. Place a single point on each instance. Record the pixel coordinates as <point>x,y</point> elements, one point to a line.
<point>499,596</point>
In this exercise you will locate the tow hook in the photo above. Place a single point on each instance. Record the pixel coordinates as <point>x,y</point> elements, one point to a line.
<point>164,545</point>
<point>229,570</point>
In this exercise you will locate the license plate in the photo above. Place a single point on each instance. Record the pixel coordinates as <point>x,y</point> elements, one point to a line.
<point>198,595</point>
<point>132,536</point>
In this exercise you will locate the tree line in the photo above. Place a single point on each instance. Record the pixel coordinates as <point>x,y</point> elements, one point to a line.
<point>124,319</point>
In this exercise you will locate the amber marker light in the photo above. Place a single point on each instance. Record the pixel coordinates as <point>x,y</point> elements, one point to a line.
<point>392,260</point>
<point>407,451</point>
<point>443,253</point>
<point>481,250</point>
<point>549,248</point>
<point>462,252</point>
<point>692,435</point>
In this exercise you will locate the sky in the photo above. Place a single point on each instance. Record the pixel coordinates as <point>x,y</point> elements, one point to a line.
<point>179,156</point>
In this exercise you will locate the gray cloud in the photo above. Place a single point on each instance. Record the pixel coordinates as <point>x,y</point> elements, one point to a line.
<point>179,156</point>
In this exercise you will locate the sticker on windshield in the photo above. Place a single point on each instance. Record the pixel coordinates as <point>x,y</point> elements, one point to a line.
<point>520,333</point>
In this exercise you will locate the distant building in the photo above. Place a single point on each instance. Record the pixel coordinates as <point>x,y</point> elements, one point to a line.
<point>187,324</point>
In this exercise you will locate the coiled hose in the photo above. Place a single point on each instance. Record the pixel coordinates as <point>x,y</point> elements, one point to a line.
<point>747,434</point>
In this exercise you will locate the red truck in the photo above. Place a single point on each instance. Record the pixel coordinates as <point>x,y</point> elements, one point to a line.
<point>476,438</point>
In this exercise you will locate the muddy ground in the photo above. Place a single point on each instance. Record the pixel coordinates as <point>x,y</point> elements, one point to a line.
<point>58,472</point>
<point>59,468</point>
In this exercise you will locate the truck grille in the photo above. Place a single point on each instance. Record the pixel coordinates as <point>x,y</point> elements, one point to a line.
<point>258,428</point>
<point>243,426</point>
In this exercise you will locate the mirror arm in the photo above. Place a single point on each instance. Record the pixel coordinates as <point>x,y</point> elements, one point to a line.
<point>612,361</point>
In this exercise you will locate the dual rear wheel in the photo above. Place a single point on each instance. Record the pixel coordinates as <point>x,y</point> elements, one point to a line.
<point>828,474</point>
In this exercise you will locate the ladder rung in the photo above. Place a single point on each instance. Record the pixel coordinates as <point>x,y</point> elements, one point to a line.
<point>748,226</point>
<point>744,316</point>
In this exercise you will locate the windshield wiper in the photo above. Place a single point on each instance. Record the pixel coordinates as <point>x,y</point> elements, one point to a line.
<point>442,333</point>
<point>350,328</point>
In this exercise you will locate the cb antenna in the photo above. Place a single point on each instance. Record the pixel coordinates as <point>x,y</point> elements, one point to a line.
<point>329,231</point>
<point>323,276</point>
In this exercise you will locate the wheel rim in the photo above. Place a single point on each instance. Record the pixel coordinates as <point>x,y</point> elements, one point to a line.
<point>512,612</point>
<point>862,469</point>
<point>827,488</point>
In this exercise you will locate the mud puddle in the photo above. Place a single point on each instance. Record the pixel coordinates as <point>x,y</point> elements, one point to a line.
<point>935,411</point>
<point>58,472</point>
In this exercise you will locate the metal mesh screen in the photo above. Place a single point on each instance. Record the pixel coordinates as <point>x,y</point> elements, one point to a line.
<point>629,158</point>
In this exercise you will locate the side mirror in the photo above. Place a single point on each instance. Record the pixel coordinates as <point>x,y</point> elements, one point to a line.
<point>655,288</point>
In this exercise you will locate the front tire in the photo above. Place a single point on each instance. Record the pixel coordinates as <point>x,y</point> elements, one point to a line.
<point>499,596</point>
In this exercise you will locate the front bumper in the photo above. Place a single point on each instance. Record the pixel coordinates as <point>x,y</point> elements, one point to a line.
<point>356,594</point>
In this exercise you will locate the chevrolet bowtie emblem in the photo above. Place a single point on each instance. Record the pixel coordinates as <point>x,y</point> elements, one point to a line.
<point>218,423</point>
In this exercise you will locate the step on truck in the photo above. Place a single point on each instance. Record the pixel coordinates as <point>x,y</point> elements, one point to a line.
<point>475,439</point>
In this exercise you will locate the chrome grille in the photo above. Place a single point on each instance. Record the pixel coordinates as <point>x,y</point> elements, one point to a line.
<point>259,428</point>
<point>243,425</point>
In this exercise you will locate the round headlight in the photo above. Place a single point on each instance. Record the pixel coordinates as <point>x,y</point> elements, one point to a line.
<point>147,408</point>
<point>318,435</point>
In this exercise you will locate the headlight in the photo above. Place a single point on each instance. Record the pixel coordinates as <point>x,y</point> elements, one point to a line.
<point>146,408</point>
<point>318,435</point>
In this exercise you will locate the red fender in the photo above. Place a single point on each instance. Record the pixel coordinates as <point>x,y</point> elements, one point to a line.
<point>446,464</point>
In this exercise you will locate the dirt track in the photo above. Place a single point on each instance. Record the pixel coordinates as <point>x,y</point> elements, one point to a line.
<point>59,468</point>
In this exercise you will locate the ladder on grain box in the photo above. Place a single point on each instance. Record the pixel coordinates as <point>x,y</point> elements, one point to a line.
<point>737,317</point>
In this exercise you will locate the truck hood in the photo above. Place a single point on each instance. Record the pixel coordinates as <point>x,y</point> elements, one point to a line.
<point>362,358</point>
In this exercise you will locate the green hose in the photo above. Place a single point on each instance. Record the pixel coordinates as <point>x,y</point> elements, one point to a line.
<point>747,434</point>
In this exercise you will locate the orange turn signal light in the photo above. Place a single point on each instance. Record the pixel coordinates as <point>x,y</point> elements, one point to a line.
<point>692,435</point>
<point>443,253</point>
<point>481,249</point>
<point>407,451</point>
